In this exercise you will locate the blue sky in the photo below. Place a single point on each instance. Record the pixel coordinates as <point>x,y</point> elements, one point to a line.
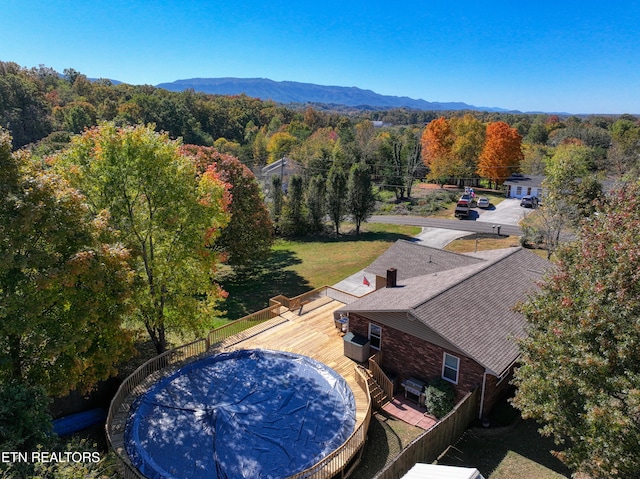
<point>566,56</point>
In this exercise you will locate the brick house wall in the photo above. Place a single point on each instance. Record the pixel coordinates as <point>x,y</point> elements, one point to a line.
<point>494,391</point>
<point>407,356</point>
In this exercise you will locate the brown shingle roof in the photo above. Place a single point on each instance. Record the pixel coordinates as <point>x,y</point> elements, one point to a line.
<point>413,259</point>
<point>470,306</point>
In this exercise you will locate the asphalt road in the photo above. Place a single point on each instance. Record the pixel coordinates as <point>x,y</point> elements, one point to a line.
<point>506,215</point>
<point>470,225</point>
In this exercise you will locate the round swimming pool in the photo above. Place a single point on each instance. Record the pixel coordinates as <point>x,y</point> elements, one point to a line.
<point>244,414</point>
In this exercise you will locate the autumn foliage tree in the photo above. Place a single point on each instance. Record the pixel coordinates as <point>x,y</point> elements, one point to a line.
<point>580,367</point>
<point>437,144</point>
<point>165,213</point>
<point>502,152</point>
<point>249,234</point>
<point>64,290</point>
<point>450,148</point>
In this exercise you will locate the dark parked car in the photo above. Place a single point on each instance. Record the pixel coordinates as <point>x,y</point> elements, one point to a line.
<point>529,201</point>
<point>462,210</point>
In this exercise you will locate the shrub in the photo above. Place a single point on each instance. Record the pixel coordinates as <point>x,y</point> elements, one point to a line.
<point>439,397</point>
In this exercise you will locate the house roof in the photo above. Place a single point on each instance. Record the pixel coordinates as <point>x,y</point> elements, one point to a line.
<point>528,180</point>
<point>284,163</point>
<point>470,306</point>
<point>413,259</point>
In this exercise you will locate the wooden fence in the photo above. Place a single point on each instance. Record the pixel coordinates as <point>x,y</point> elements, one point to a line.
<point>434,441</point>
<point>340,462</point>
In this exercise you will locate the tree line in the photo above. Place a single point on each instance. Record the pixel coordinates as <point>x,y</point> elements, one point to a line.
<point>42,108</point>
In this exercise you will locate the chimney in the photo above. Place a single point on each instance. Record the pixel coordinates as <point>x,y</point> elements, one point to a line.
<point>392,276</point>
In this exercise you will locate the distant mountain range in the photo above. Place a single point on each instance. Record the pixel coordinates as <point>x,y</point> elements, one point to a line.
<point>295,92</point>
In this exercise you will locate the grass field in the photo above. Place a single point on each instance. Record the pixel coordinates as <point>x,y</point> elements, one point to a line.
<point>512,448</point>
<point>483,242</point>
<point>299,265</point>
<point>517,452</point>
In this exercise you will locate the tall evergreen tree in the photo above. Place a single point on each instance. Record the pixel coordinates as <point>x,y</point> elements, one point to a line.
<point>337,196</point>
<point>316,202</point>
<point>361,201</point>
<point>277,200</point>
<point>294,211</point>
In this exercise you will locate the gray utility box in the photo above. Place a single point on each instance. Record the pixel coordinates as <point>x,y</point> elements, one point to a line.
<point>356,347</point>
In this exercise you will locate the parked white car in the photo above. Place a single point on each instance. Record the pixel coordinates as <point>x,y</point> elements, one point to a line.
<point>483,202</point>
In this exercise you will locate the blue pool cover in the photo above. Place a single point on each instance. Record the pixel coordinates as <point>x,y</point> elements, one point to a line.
<point>255,414</point>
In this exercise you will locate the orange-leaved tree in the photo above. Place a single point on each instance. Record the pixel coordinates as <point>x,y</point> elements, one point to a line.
<point>437,143</point>
<point>502,152</point>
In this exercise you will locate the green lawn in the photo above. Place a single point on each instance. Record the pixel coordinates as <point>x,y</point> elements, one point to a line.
<point>511,449</point>
<point>299,265</point>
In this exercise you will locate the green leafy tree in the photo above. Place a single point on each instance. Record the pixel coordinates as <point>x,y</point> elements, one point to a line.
<point>580,367</point>
<point>24,110</point>
<point>468,146</point>
<point>366,141</point>
<point>24,415</point>
<point>279,145</point>
<point>164,213</point>
<point>571,182</point>
<point>336,196</point>
<point>76,116</point>
<point>537,134</point>
<point>249,234</point>
<point>63,289</point>
<point>624,154</point>
<point>361,201</point>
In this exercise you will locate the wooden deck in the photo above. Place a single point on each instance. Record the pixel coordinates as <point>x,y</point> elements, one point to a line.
<point>312,334</point>
<point>309,331</point>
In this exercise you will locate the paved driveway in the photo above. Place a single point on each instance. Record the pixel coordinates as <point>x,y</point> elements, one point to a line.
<point>507,212</point>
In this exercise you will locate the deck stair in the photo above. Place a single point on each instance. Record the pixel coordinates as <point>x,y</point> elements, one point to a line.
<point>378,396</point>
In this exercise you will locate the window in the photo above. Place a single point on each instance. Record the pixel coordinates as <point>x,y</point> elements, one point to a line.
<point>450,367</point>
<point>519,191</point>
<point>375,336</point>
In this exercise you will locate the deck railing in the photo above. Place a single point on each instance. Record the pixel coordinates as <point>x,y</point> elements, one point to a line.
<point>381,378</point>
<point>134,385</point>
<point>140,380</point>
<point>218,335</point>
<point>342,461</point>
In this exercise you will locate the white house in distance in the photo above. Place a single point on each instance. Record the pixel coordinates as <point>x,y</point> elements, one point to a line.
<point>519,185</point>
<point>284,168</point>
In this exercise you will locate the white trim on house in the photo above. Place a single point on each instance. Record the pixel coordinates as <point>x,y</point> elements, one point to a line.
<point>450,367</point>
<point>378,336</point>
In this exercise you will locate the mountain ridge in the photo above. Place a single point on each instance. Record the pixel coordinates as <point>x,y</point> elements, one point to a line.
<point>298,92</point>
